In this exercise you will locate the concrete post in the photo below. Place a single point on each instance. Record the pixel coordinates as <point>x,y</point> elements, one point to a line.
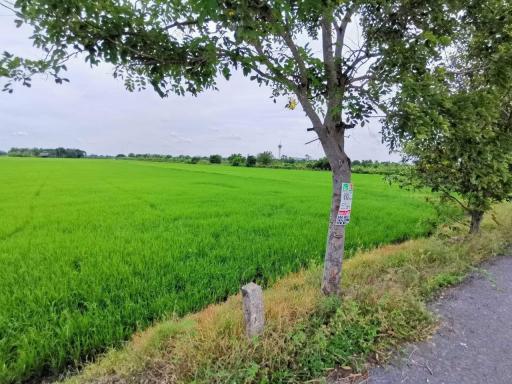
<point>254,315</point>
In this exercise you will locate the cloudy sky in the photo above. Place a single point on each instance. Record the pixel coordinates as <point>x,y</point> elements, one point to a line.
<point>95,113</point>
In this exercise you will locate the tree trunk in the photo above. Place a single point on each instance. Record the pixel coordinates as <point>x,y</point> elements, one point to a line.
<point>332,137</point>
<point>476,220</point>
<point>335,247</point>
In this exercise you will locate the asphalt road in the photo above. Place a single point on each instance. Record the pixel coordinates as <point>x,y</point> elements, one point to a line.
<point>474,342</point>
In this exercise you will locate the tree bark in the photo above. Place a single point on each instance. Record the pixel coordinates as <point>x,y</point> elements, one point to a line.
<point>476,220</point>
<point>341,173</point>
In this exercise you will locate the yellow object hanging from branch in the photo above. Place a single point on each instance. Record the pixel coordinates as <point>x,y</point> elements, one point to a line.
<point>292,103</point>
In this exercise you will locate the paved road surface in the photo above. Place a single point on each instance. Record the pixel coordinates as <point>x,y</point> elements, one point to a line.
<point>473,344</point>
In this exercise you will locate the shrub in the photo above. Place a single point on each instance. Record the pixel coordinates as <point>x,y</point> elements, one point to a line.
<point>265,158</point>
<point>322,163</point>
<point>250,161</point>
<point>215,159</point>
<point>236,159</point>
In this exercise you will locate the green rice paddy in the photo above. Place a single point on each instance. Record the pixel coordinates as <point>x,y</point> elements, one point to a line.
<point>93,250</point>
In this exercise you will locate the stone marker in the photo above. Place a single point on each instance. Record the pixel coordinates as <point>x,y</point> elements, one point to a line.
<point>253,309</point>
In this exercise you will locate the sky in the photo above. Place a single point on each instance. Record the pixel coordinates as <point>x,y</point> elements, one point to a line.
<point>94,112</point>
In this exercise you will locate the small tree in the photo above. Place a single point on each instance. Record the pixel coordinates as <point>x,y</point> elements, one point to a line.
<point>455,119</point>
<point>265,158</point>
<point>236,159</point>
<point>215,159</point>
<point>250,161</point>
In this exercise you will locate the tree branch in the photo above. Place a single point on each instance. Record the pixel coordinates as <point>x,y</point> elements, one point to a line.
<point>358,61</point>
<point>340,32</point>
<point>301,89</point>
<point>180,24</point>
<point>360,78</point>
<point>278,75</point>
<point>296,55</point>
<point>449,195</point>
<point>330,70</point>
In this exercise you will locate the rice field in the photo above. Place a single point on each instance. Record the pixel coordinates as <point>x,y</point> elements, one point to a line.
<point>93,250</point>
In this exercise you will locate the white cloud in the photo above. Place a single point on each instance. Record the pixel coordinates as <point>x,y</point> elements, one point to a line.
<point>179,139</point>
<point>20,133</point>
<point>229,137</point>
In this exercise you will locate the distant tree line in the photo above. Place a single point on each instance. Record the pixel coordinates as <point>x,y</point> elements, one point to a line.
<point>263,159</point>
<point>267,159</point>
<point>47,152</point>
<point>364,166</point>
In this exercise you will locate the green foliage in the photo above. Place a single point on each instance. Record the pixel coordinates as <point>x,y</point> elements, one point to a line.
<point>322,164</point>
<point>345,336</point>
<point>250,161</point>
<point>215,159</point>
<point>183,46</point>
<point>358,166</point>
<point>47,152</point>
<point>381,168</point>
<point>288,160</point>
<point>265,158</point>
<point>93,250</point>
<point>236,159</point>
<point>442,280</point>
<point>455,120</point>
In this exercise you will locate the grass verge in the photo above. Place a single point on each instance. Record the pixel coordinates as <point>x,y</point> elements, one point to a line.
<point>307,335</point>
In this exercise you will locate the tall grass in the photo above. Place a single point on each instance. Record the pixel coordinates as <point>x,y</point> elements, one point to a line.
<point>93,250</point>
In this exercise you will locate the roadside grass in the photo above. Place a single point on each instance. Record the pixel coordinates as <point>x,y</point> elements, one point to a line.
<point>307,335</point>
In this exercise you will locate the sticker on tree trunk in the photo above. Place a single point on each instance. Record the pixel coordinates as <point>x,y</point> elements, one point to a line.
<point>343,217</point>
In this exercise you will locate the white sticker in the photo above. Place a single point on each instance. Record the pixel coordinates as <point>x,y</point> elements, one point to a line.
<point>343,217</point>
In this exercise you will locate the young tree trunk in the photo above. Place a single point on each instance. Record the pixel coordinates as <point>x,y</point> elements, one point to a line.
<point>341,173</point>
<point>476,220</point>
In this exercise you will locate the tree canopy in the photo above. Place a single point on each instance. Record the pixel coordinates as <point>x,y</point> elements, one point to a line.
<point>182,46</point>
<point>454,120</point>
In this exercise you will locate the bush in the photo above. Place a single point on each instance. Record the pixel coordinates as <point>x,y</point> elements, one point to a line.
<point>250,161</point>
<point>236,159</point>
<point>265,158</point>
<point>322,163</point>
<point>215,159</point>
<point>195,160</point>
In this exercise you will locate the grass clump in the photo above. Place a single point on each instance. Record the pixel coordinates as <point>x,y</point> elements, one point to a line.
<point>307,335</point>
